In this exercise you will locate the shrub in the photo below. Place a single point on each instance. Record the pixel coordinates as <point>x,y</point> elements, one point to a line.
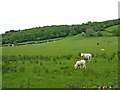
<point>69,56</point>
<point>83,34</point>
<point>98,33</point>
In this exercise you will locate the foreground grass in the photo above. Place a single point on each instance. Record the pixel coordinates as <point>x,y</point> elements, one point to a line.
<point>60,74</point>
<point>24,68</point>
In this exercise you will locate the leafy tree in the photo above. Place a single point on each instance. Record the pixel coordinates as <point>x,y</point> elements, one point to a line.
<point>15,42</point>
<point>98,33</point>
<point>57,31</point>
<point>90,32</point>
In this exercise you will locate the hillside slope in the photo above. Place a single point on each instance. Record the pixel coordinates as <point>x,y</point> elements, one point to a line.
<point>69,45</point>
<point>51,64</point>
<point>111,31</point>
<point>55,31</point>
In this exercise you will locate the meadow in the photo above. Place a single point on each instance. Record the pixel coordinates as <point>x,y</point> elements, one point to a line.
<point>51,64</point>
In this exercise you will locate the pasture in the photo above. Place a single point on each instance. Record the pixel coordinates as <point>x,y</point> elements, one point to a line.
<point>51,64</point>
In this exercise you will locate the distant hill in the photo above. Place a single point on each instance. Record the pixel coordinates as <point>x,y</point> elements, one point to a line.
<point>113,30</point>
<point>58,31</point>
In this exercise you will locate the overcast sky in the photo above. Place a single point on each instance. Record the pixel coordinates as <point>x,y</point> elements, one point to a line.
<point>23,14</point>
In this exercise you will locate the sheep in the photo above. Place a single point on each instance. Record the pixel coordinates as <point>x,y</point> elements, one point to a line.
<point>80,63</point>
<point>103,87</point>
<point>102,49</point>
<point>86,56</point>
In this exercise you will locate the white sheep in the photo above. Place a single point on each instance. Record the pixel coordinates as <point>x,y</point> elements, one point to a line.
<point>86,56</point>
<point>80,63</point>
<point>102,49</point>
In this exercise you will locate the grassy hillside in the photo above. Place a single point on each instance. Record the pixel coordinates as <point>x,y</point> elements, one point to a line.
<point>56,31</point>
<point>111,31</point>
<point>112,28</point>
<point>69,45</point>
<point>51,64</point>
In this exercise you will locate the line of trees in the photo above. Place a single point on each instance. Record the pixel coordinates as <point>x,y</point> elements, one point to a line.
<point>56,31</point>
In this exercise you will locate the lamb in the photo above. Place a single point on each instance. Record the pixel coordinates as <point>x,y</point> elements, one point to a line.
<point>80,63</point>
<point>86,56</point>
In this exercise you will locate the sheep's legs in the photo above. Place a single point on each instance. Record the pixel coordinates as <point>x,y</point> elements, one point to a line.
<point>84,66</point>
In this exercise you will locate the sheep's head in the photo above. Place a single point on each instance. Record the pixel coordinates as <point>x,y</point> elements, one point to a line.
<point>82,54</point>
<point>75,66</point>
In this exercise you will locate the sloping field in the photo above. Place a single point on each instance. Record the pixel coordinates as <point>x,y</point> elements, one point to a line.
<point>110,29</point>
<point>69,45</point>
<point>51,65</point>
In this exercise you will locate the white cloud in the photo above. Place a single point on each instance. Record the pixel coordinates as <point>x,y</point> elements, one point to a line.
<point>21,14</point>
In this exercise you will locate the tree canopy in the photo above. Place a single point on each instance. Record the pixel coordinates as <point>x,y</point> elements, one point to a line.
<point>56,31</point>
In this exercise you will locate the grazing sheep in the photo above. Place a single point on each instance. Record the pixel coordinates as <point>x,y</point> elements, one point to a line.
<point>80,63</point>
<point>86,56</point>
<point>102,49</point>
<point>105,87</point>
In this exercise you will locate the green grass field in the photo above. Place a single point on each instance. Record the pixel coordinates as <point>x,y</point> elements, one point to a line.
<point>51,64</point>
<point>110,29</point>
